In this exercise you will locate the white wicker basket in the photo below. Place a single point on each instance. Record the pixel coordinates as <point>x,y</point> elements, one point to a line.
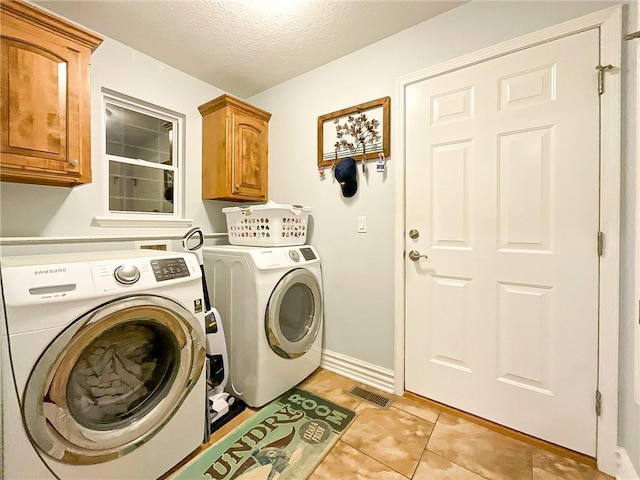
<point>267,225</point>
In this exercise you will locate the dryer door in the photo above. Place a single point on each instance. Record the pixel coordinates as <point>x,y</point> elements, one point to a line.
<point>113,378</point>
<point>294,314</point>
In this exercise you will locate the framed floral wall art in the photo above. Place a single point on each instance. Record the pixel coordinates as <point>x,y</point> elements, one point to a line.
<point>361,132</point>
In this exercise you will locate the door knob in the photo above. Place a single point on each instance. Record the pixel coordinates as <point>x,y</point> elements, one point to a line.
<point>415,255</point>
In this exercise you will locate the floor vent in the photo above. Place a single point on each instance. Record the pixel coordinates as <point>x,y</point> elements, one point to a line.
<point>370,397</point>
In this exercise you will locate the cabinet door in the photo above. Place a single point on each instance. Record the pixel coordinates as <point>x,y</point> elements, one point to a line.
<point>249,165</point>
<point>42,136</point>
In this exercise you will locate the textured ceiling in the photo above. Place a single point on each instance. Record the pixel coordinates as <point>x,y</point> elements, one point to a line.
<point>245,47</point>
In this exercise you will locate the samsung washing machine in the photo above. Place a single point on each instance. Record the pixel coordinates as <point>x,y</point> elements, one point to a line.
<point>270,302</point>
<point>107,353</point>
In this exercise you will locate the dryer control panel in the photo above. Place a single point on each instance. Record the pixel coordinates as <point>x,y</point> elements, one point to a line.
<point>307,253</point>
<point>282,257</point>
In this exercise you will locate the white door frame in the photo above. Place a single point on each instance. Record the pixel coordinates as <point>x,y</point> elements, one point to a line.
<point>610,23</point>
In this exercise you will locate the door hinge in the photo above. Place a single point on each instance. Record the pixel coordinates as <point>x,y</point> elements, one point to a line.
<point>601,69</point>
<point>600,243</point>
<point>598,403</point>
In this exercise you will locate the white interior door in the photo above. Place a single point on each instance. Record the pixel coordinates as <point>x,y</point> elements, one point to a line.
<point>502,185</point>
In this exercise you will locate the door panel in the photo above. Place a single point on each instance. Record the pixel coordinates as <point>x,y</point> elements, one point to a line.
<point>36,94</point>
<point>502,182</point>
<point>250,155</point>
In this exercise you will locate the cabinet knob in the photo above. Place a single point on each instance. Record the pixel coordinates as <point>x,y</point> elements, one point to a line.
<point>237,185</point>
<point>74,162</point>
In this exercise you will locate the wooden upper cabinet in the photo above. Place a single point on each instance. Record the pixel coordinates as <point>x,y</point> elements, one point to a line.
<point>234,150</point>
<point>45,133</point>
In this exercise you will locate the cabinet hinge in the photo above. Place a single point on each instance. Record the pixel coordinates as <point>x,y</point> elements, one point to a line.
<point>600,243</point>
<point>598,403</point>
<point>601,69</point>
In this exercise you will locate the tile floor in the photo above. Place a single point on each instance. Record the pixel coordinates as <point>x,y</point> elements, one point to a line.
<point>415,439</point>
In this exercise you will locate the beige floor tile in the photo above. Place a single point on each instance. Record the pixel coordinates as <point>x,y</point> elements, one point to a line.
<point>391,436</point>
<point>540,474</point>
<point>345,462</point>
<point>565,468</point>
<point>435,467</point>
<point>333,387</point>
<point>480,449</point>
<point>416,407</point>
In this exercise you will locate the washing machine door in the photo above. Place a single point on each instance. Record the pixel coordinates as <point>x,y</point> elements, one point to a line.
<point>113,378</point>
<point>294,314</point>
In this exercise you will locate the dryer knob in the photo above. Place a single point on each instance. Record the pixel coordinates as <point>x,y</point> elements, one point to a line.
<point>127,274</point>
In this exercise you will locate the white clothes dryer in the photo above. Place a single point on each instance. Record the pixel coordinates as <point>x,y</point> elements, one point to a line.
<point>107,353</point>
<point>270,301</point>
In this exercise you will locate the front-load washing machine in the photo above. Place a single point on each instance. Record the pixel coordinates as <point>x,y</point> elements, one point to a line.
<point>107,353</point>
<point>270,302</point>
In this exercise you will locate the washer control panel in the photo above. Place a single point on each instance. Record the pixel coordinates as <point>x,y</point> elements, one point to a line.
<point>127,274</point>
<point>169,268</point>
<point>42,279</point>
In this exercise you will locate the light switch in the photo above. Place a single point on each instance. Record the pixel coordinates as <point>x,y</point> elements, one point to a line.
<point>362,224</point>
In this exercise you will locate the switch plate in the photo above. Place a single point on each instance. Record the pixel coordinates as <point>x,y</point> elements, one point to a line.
<point>362,224</point>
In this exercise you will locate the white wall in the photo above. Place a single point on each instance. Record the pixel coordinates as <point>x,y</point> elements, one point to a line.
<point>35,210</point>
<point>358,268</point>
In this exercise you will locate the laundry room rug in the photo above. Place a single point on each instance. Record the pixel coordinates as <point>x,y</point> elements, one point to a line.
<point>284,440</point>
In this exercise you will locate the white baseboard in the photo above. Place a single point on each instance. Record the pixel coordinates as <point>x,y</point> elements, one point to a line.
<point>626,470</point>
<point>367,373</point>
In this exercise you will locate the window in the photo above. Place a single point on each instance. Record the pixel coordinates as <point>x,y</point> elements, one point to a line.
<point>142,146</point>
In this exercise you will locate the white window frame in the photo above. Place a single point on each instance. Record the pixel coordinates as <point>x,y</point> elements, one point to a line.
<point>143,219</point>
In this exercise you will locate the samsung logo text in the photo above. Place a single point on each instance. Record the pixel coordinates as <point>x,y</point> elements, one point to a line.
<point>50,271</point>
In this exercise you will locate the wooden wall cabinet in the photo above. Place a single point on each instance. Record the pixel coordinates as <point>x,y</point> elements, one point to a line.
<point>45,106</point>
<point>234,150</point>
